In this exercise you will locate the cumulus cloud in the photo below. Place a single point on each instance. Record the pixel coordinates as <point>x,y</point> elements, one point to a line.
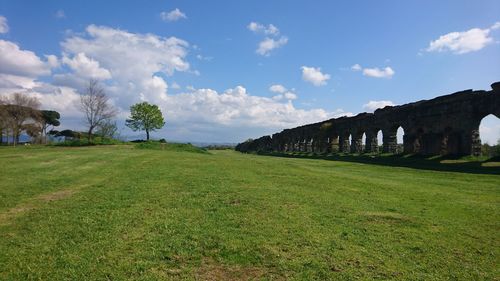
<point>4,27</point>
<point>314,76</point>
<point>271,41</point>
<point>375,72</point>
<point>19,62</point>
<point>269,44</point>
<point>236,107</point>
<point>277,88</point>
<point>282,93</point>
<point>52,61</point>
<point>463,42</point>
<point>373,105</point>
<point>173,15</point>
<point>356,67</point>
<point>260,28</point>
<point>86,67</point>
<point>386,72</point>
<point>108,53</point>
<point>290,96</point>
<point>175,86</point>
<point>113,51</point>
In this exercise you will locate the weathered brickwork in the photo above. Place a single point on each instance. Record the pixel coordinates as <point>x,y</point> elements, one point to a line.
<point>444,125</point>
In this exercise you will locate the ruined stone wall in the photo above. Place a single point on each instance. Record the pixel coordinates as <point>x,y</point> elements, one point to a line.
<point>444,125</point>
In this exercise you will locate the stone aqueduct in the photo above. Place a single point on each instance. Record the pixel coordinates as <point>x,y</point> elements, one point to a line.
<point>444,125</point>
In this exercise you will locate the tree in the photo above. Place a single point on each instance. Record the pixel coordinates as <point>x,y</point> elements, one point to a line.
<point>19,110</point>
<point>107,129</point>
<point>3,119</point>
<point>49,118</point>
<point>145,117</point>
<point>95,105</point>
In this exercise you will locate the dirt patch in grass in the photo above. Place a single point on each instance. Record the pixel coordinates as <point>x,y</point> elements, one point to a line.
<point>58,195</point>
<point>386,217</point>
<point>34,203</point>
<point>6,216</point>
<point>212,270</point>
<point>16,211</point>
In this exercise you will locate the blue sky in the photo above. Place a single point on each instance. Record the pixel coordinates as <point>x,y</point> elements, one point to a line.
<point>211,66</point>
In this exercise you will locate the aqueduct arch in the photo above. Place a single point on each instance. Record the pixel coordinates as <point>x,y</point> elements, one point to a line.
<point>444,125</point>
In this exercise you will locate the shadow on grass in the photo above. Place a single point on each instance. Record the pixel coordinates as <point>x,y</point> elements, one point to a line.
<point>471,165</point>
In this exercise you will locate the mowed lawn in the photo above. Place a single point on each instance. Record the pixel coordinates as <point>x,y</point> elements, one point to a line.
<point>118,212</point>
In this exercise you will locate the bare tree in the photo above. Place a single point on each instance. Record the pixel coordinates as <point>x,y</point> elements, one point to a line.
<point>95,105</point>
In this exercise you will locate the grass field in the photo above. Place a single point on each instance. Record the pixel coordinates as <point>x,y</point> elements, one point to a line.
<point>119,212</point>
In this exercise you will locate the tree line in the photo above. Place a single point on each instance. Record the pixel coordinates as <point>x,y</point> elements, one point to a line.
<point>20,114</point>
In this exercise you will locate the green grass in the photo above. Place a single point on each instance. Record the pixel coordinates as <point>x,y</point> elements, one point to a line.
<point>120,212</point>
<point>170,146</point>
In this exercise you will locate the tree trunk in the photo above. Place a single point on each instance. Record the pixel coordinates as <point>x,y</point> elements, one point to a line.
<point>16,138</point>
<point>89,137</point>
<point>147,135</point>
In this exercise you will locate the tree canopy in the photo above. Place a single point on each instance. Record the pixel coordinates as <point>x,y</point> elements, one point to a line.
<point>49,118</point>
<point>145,117</point>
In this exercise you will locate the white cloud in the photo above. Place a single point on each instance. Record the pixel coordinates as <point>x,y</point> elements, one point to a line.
<point>114,51</point>
<point>4,27</point>
<point>269,44</point>
<point>277,88</point>
<point>356,67</point>
<point>314,76</point>
<point>14,83</point>
<point>376,72</point>
<point>283,92</point>
<point>235,107</point>
<point>463,42</point>
<point>86,68</point>
<point>260,28</point>
<point>373,105</point>
<point>60,14</point>
<point>173,15</point>
<point>194,114</point>
<point>271,41</point>
<point>15,61</point>
<point>52,61</point>
<point>290,96</point>
<point>175,86</point>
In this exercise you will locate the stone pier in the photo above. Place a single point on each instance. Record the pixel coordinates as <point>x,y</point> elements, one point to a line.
<point>444,125</point>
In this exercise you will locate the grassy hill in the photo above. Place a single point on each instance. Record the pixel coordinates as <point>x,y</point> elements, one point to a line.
<point>121,212</point>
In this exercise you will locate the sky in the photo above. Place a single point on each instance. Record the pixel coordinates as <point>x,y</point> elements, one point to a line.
<point>226,71</point>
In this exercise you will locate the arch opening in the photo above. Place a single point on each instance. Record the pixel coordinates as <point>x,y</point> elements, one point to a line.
<point>489,136</point>
<point>380,139</point>
<point>400,133</point>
